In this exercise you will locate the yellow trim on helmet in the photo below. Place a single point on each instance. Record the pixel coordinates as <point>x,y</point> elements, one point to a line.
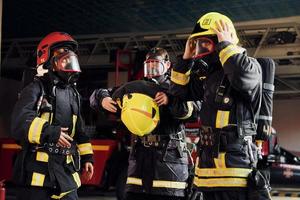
<point>180,78</point>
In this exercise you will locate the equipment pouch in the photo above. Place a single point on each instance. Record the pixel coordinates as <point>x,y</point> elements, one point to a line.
<point>175,153</point>
<point>258,186</point>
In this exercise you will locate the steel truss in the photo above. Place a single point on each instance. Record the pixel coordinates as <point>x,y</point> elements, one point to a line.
<point>95,49</point>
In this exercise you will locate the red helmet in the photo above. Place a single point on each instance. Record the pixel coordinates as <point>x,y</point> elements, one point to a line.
<point>51,41</point>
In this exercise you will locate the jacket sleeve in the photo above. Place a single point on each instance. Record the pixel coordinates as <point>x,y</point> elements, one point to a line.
<point>243,72</point>
<point>97,97</point>
<point>26,125</point>
<point>83,142</point>
<point>185,83</point>
<point>184,110</point>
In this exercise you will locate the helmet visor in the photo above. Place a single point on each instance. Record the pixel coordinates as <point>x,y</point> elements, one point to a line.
<point>67,62</point>
<point>204,46</point>
<point>154,67</point>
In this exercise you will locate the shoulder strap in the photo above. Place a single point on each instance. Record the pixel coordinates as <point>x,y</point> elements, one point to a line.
<point>42,94</point>
<point>78,99</point>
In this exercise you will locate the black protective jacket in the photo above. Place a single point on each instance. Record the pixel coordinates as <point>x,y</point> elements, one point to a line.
<point>38,116</point>
<point>162,169</point>
<point>230,94</point>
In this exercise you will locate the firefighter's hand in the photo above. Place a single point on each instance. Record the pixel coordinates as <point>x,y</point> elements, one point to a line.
<point>109,104</point>
<point>64,138</point>
<point>161,98</point>
<point>190,48</point>
<point>88,171</point>
<point>223,31</point>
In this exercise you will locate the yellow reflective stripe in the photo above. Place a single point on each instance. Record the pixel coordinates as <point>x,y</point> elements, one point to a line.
<point>46,116</point>
<point>158,183</point>
<point>231,172</point>
<point>229,51</point>
<point>100,147</point>
<point>42,156</point>
<point>180,78</point>
<point>169,184</point>
<point>35,130</point>
<point>85,148</point>
<point>51,118</point>
<point>220,182</point>
<point>222,118</point>
<point>220,161</point>
<point>74,125</point>
<point>134,181</point>
<point>69,159</point>
<point>190,110</point>
<point>11,146</point>
<point>61,195</point>
<point>76,179</point>
<point>37,179</point>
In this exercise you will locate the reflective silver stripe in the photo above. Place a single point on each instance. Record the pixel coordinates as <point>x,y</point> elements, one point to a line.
<point>264,117</point>
<point>190,110</point>
<point>35,130</point>
<point>269,86</point>
<point>158,183</point>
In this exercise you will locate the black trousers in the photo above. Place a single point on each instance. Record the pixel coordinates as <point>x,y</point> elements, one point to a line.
<point>143,196</point>
<point>225,195</point>
<point>38,193</point>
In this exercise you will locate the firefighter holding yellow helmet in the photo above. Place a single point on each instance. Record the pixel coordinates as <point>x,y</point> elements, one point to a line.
<point>215,70</point>
<point>158,162</point>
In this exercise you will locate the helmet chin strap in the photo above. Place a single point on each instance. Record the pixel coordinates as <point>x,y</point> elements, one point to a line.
<point>41,71</point>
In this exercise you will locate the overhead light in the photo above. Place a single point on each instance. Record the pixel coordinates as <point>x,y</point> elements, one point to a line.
<point>282,38</point>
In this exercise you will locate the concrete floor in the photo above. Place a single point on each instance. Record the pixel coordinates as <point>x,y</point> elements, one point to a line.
<point>96,194</point>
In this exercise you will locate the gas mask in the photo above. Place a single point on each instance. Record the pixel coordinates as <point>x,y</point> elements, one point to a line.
<point>66,66</point>
<point>156,69</point>
<point>206,58</point>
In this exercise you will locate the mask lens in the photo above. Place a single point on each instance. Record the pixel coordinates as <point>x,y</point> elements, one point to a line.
<point>67,62</point>
<point>153,67</point>
<point>204,46</point>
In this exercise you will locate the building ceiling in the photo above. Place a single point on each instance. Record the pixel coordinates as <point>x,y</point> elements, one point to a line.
<point>36,18</point>
<point>269,28</point>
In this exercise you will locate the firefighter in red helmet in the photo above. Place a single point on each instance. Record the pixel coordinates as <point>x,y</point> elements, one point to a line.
<point>47,123</point>
<point>218,72</point>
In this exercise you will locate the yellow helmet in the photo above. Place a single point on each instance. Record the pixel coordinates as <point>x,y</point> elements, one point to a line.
<point>208,21</point>
<point>140,113</point>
